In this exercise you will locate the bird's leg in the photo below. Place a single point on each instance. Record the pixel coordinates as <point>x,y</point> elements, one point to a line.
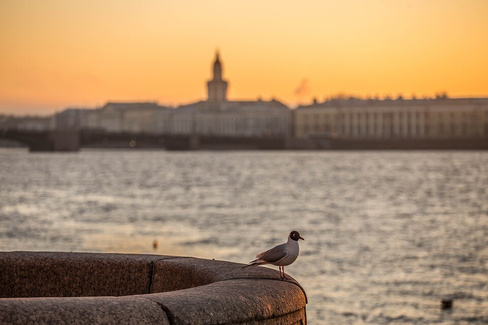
<point>284,275</point>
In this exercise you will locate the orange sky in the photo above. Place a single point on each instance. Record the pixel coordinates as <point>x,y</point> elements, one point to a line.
<point>83,53</point>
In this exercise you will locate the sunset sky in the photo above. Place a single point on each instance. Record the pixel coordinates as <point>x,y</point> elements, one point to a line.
<point>82,53</point>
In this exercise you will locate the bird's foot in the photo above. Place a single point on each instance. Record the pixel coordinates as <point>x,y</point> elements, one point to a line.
<point>284,277</point>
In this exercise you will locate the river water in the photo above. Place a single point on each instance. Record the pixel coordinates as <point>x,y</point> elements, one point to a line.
<point>387,234</point>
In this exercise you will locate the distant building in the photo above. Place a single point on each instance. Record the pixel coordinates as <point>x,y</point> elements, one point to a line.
<point>217,116</point>
<point>132,117</point>
<point>233,118</point>
<point>440,118</point>
<point>70,119</point>
<point>347,118</point>
<point>217,87</point>
<point>26,123</point>
<point>116,117</point>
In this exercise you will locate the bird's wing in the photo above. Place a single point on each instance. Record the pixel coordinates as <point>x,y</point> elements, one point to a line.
<point>274,255</point>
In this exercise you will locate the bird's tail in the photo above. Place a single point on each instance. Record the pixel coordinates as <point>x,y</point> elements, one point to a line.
<point>253,263</point>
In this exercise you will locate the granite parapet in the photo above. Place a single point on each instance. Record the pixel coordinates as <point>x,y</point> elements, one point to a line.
<point>81,310</point>
<point>91,288</point>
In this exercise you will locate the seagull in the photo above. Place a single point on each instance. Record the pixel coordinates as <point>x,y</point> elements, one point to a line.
<point>281,255</point>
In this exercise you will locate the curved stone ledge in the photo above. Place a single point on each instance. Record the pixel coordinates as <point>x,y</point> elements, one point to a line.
<point>88,288</point>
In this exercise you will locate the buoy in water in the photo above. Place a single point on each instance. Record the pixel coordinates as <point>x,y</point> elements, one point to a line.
<point>446,304</point>
<point>155,244</point>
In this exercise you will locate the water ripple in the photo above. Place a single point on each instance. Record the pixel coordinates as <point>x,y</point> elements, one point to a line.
<point>388,234</point>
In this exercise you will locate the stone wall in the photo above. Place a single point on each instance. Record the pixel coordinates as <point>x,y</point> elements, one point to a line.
<point>86,288</point>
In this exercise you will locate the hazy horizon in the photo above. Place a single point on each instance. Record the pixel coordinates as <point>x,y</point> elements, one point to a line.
<point>59,54</point>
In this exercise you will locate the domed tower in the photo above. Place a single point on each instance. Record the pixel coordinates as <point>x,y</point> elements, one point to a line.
<point>217,87</point>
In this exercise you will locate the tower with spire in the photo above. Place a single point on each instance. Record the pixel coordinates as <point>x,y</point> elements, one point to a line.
<point>217,87</point>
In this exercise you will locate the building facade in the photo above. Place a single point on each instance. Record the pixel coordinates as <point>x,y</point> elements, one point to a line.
<point>233,119</point>
<point>218,116</point>
<point>440,118</point>
<point>116,117</point>
<point>352,118</point>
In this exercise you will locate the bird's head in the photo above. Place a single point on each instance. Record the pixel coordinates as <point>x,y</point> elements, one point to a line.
<point>295,235</point>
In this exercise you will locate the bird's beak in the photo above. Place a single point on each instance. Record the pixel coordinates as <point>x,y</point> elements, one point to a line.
<point>301,237</point>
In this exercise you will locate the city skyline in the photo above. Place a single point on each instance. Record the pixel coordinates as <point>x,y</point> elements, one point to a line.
<point>86,53</point>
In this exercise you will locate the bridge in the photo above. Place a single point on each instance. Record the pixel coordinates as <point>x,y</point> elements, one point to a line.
<point>72,140</point>
<point>44,140</point>
<point>94,139</point>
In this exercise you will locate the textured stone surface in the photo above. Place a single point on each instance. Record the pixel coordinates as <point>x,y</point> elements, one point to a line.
<point>233,301</point>
<point>86,310</point>
<point>211,271</point>
<point>181,273</point>
<point>46,274</point>
<point>142,289</point>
